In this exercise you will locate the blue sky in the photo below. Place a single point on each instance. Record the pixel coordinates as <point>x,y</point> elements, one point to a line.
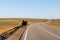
<point>30,9</point>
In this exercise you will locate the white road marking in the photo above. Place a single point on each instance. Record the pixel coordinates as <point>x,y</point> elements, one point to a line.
<point>25,38</point>
<point>50,32</point>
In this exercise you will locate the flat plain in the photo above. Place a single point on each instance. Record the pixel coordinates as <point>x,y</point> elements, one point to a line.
<point>9,23</point>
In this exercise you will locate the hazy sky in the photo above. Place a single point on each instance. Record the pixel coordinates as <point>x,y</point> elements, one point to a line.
<point>30,8</point>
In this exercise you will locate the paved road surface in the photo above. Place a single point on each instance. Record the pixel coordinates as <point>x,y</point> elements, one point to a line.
<point>38,31</point>
<point>16,35</point>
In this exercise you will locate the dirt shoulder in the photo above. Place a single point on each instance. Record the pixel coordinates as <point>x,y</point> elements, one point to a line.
<point>50,25</point>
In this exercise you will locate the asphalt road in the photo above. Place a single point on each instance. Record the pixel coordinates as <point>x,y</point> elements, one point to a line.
<point>38,31</point>
<point>16,35</point>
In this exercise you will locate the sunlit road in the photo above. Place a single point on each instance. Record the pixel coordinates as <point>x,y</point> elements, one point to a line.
<point>38,31</point>
<point>16,35</point>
